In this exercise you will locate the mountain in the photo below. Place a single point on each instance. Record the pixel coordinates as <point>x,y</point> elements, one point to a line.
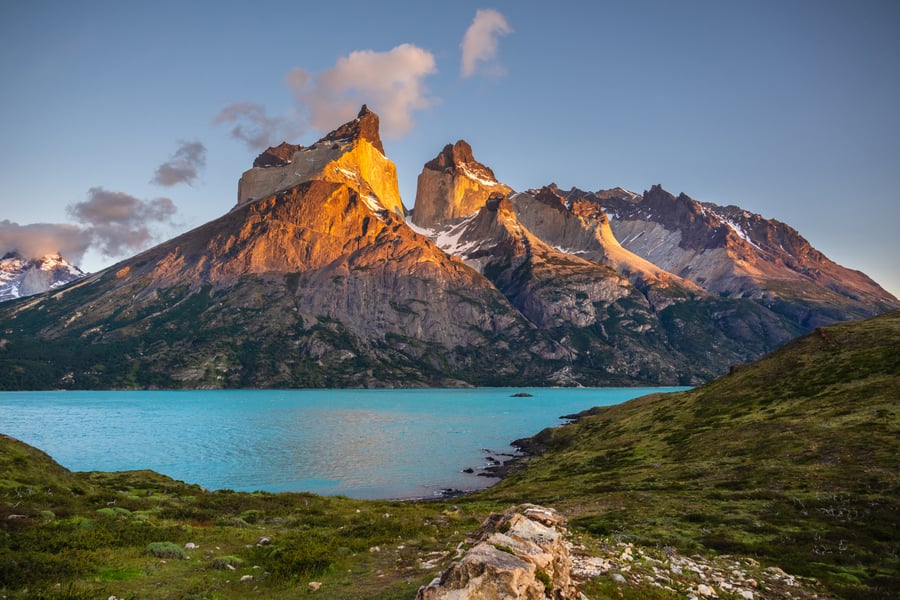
<point>317,282</point>
<point>351,154</point>
<point>21,277</point>
<point>579,226</point>
<point>735,253</point>
<point>557,261</point>
<point>794,459</point>
<point>317,278</point>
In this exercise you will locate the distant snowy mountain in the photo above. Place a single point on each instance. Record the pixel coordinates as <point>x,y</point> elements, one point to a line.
<point>21,277</point>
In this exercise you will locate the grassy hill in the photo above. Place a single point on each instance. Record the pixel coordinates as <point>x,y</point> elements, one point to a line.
<point>794,461</point>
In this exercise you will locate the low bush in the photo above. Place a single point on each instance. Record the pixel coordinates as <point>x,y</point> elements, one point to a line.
<point>165,550</point>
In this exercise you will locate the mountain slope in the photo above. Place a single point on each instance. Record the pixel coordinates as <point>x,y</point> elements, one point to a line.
<point>793,459</point>
<point>732,252</point>
<point>579,226</point>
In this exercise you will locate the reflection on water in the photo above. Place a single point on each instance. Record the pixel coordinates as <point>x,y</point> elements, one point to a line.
<point>359,443</point>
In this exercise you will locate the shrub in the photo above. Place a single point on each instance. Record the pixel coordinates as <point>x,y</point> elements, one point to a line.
<point>224,562</point>
<point>165,550</point>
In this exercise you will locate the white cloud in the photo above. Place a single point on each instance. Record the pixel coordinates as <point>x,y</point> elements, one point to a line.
<point>479,44</point>
<point>40,239</point>
<point>392,83</point>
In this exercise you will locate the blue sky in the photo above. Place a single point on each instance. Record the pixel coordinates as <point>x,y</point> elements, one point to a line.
<point>110,136</point>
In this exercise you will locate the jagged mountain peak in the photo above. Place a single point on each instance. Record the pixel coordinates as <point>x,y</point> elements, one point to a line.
<point>277,156</point>
<point>452,155</point>
<point>575,221</point>
<point>365,126</point>
<point>452,186</point>
<point>20,276</point>
<point>351,154</point>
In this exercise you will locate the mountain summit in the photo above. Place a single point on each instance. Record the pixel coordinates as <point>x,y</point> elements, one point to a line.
<point>351,154</point>
<point>453,185</point>
<point>21,277</point>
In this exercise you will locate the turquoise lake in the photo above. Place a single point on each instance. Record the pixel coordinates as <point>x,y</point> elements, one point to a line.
<point>357,443</point>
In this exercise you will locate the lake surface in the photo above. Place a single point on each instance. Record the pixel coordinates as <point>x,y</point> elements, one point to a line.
<point>357,443</point>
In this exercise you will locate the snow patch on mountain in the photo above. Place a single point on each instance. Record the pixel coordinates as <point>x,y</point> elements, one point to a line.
<point>20,277</point>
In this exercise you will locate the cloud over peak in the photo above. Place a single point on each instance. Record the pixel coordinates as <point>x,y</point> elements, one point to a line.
<point>392,83</point>
<point>184,166</point>
<point>479,44</point>
<point>36,240</point>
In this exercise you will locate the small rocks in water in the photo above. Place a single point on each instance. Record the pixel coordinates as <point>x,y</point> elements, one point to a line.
<point>314,586</point>
<point>263,541</point>
<point>468,470</point>
<point>522,395</point>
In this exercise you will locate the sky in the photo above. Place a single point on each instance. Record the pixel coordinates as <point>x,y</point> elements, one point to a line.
<point>123,124</point>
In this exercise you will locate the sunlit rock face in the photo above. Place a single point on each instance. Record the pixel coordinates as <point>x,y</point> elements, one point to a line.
<point>352,154</point>
<point>578,225</point>
<point>453,185</point>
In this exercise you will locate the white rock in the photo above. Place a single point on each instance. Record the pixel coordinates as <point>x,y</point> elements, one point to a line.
<point>247,578</point>
<point>705,590</point>
<point>618,578</point>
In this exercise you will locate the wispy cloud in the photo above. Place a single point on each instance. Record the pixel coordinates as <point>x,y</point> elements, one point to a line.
<point>118,222</point>
<point>184,166</point>
<point>392,83</point>
<point>255,128</point>
<point>479,44</point>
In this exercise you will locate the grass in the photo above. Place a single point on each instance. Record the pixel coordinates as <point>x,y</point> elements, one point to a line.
<point>792,461</point>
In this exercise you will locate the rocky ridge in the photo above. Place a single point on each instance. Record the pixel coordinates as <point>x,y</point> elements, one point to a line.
<point>731,252</point>
<point>580,226</point>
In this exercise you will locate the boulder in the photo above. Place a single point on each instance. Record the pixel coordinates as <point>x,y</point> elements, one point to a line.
<point>520,553</point>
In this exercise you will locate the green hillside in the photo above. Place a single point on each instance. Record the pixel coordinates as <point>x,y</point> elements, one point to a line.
<point>794,460</point>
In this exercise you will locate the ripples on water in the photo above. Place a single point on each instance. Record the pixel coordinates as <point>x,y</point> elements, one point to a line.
<point>358,443</point>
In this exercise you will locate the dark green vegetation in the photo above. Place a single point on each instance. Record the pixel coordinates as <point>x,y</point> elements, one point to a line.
<point>794,461</point>
<point>254,334</point>
<point>124,534</point>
